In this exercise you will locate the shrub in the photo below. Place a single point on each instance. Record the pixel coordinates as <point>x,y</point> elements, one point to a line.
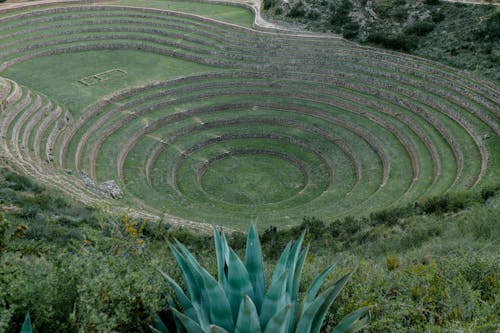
<point>398,42</point>
<point>420,28</point>
<point>350,30</point>
<point>237,302</point>
<point>340,13</point>
<point>19,182</point>
<point>267,4</point>
<point>438,17</point>
<point>297,10</point>
<point>392,262</point>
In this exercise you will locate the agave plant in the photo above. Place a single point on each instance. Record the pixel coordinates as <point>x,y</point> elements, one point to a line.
<point>26,328</point>
<point>237,302</point>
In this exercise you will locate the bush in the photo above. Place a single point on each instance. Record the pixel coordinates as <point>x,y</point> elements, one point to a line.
<point>340,13</point>
<point>438,17</point>
<point>297,10</point>
<point>420,28</point>
<point>350,30</point>
<point>399,42</point>
<point>445,203</point>
<point>267,4</point>
<point>19,182</point>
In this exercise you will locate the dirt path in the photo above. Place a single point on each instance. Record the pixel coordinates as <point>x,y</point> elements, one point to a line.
<point>477,2</point>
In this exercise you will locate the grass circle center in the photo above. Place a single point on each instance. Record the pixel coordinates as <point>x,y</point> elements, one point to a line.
<point>253,179</point>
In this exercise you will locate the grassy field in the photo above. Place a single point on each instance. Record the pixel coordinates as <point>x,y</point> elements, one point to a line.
<point>202,121</point>
<point>226,13</point>
<point>389,163</point>
<point>58,76</point>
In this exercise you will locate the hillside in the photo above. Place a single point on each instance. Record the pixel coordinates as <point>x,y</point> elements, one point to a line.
<point>75,268</point>
<point>126,125</point>
<point>461,35</point>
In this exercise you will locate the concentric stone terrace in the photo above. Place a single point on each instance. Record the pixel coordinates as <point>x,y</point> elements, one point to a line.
<point>242,124</point>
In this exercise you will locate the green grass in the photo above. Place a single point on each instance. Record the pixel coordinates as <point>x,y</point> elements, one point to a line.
<point>330,105</point>
<point>252,180</point>
<point>226,13</point>
<point>57,76</point>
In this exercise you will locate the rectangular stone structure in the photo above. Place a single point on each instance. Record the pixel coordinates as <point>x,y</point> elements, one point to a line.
<point>104,76</point>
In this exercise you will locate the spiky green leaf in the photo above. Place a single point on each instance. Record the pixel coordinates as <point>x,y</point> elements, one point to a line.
<point>295,288</point>
<point>219,308</point>
<point>159,326</point>
<point>195,285</point>
<point>189,324</point>
<point>354,321</point>
<point>220,256</point>
<point>238,282</point>
<point>275,299</point>
<point>217,329</point>
<point>26,328</point>
<point>313,315</point>
<point>281,264</point>
<point>184,301</point>
<point>248,319</point>
<point>316,284</point>
<point>154,330</point>
<point>278,322</point>
<point>320,315</point>
<point>255,267</point>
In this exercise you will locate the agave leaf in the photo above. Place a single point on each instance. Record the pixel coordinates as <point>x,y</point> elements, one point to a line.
<point>159,326</point>
<point>219,308</point>
<point>292,261</point>
<point>255,266</point>
<point>248,320</point>
<point>238,282</point>
<point>295,287</point>
<point>216,329</point>
<point>281,265</point>
<point>278,322</point>
<point>320,315</point>
<point>189,256</point>
<point>189,324</point>
<point>274,299</point>
<point>26,328</point>
<point>354,321</point>
<point>221,261</point>
<point>316,285</point>
<point>195,285</point>
<point>184,301</point>
<point>306,320</point>
<point>154,330</point>
<point>179,328</point>
<point>313,316</point>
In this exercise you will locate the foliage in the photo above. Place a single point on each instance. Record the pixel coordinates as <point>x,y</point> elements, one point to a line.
<point>397,42</point>
<point>447,276</point>
<point>238,302</point>
<point>464,36</point>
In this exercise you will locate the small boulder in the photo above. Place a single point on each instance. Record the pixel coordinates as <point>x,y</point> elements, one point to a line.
<point>111,188</point>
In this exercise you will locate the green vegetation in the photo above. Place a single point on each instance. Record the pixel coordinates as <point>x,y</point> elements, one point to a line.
<point>461,35</point>
<point>61,73</point>
<point>332,129</point>
<point>226,13</point>
<point>389,162</point>
<point>77,268</point>
<point>238,301</point>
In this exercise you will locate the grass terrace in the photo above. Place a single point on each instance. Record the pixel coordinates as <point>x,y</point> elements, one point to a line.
<point>198,118</point>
